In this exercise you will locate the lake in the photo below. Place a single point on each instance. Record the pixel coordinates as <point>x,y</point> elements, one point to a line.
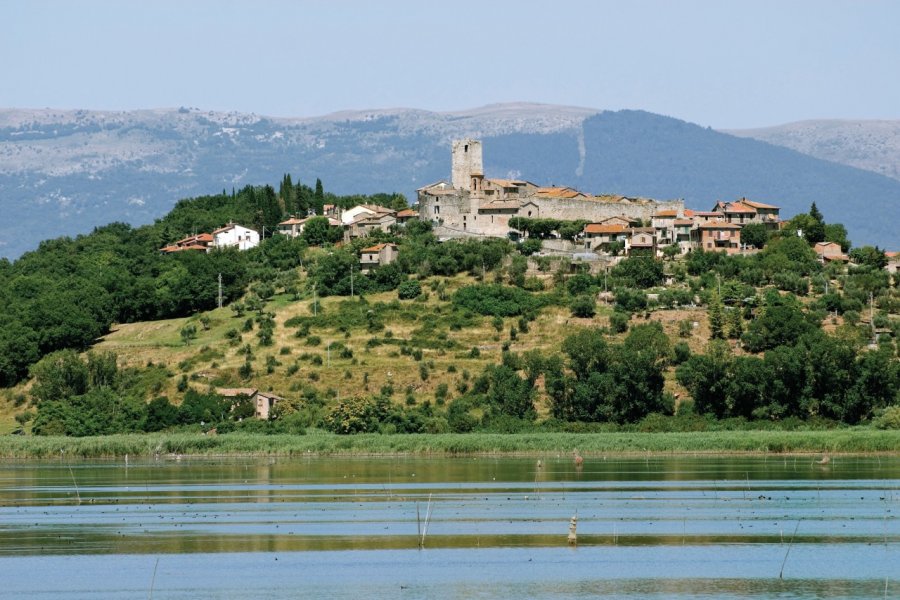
<point>473,527</point>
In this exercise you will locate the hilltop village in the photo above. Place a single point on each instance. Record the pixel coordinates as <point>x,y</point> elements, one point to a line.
<point>473,206</point>
<point>476,206</point>
<point>489,305</point>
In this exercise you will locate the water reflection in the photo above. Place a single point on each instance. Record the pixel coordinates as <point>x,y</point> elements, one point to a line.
<point>667,526</point>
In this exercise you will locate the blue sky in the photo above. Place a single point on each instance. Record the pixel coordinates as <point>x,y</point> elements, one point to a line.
<point>717,63</point>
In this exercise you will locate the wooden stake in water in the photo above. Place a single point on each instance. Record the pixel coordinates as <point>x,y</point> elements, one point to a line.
<point>153,579</point>
<point>573,526</point>
<point>790,544</point>
<point>425,527</point>
<point>75,483</point>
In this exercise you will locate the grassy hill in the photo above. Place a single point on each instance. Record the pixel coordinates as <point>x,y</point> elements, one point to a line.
<point>386,357</point>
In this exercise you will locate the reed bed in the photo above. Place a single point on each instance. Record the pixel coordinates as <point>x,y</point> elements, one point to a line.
<point>844,441</point>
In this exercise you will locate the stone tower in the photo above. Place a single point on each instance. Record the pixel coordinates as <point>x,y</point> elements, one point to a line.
<point>467,173</point>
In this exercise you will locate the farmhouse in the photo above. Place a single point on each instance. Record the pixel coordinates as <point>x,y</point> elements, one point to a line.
<point>376,256</point>
<point>235,236</point>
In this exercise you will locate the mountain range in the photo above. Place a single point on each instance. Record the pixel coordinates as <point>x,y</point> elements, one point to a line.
<point>65,172</point>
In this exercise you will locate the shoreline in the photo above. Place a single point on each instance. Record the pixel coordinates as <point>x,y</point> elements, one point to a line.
<point>244,445</point>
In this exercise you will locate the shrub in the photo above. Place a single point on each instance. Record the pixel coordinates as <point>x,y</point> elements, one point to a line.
<point>618,322</point>
<point>682,352</point>
<point>584,306</point>
<point>630,300</point>
<point>889,418</point>
<point>409,289</point>
<point>495,300</point>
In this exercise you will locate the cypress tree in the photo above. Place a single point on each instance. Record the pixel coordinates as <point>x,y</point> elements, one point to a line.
<point>716,314</point>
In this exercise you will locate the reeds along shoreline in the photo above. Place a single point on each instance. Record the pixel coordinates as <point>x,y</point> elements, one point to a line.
<point>846,441</point>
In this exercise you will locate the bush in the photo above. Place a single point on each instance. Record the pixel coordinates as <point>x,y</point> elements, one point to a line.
<point>682,352</point>
<point>630,300</point>
<point>495,300</point>
<point>409,289</point>
<point>618,322</point>
<point>889,418</point>
<point>584,306</point>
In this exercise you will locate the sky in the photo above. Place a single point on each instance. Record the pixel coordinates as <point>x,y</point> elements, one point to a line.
<point>723,64</point>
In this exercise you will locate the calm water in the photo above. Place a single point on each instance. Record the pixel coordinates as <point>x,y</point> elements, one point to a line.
<point>670,527</point>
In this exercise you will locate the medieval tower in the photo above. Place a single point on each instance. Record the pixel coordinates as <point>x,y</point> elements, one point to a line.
<point>467,170</point>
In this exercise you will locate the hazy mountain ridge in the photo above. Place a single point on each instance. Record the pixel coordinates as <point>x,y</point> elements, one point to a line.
<point>64,172</point>
<point>870,145</point>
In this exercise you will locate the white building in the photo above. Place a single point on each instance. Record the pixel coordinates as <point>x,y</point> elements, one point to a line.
<point>236,236</point>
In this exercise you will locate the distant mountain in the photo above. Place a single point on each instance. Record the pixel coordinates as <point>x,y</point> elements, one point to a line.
<point>64,172</point>
<point>870,145</point>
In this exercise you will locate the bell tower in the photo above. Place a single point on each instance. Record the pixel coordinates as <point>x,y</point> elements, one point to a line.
<point>467,171</point>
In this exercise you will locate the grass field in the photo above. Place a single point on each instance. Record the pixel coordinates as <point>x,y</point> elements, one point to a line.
<point>209,360</point>
<point>845,441</point>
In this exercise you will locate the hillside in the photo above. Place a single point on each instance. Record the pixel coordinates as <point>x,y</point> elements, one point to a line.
<point>65,172</point>
<point>870,145</point>
<point>105,334</point>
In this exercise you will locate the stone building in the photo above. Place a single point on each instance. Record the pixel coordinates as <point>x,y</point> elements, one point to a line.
<point>473,205</point>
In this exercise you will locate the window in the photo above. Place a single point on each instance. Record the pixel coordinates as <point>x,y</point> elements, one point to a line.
<point>466,148</point>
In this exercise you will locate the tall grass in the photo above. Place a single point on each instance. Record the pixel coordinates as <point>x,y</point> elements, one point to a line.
<point>248,444</point>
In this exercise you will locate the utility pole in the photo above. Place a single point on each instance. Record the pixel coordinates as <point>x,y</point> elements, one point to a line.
<point>220,290</point>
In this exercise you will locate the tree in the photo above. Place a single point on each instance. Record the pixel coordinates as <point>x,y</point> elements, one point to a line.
<point>639,271</point>
<point>871,256</point>
<point>584,306</point>
<point>409,290</point>
<point>706,378</point>
<point>59,376</point>
<point>318,199</point>
<point>754,234</point>
<point>316,231</point>
<point>671,251</point>
<point>716,315</point>
<point>735,324</point>
<point>816,214</point>
<point>781,321</point>
<point>510,393</point>
<point>837,233</point>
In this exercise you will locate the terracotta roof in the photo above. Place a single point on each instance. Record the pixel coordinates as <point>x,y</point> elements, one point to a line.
<point>378,247</point>
<point>602,228</point>
<point>683,222</point>
<point>891,254</point>
<point>508,182</point>
<point>407,212</point>
<point>753,204</point>
<point>704,213</point>
<point>558,192</point>
<point>737,207</point>
<point>666,213</point>
<point>294,221</point>
<point>609,198</point>
<point>688,212</point>
<point>185,247</point>
<point>200,237</point>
